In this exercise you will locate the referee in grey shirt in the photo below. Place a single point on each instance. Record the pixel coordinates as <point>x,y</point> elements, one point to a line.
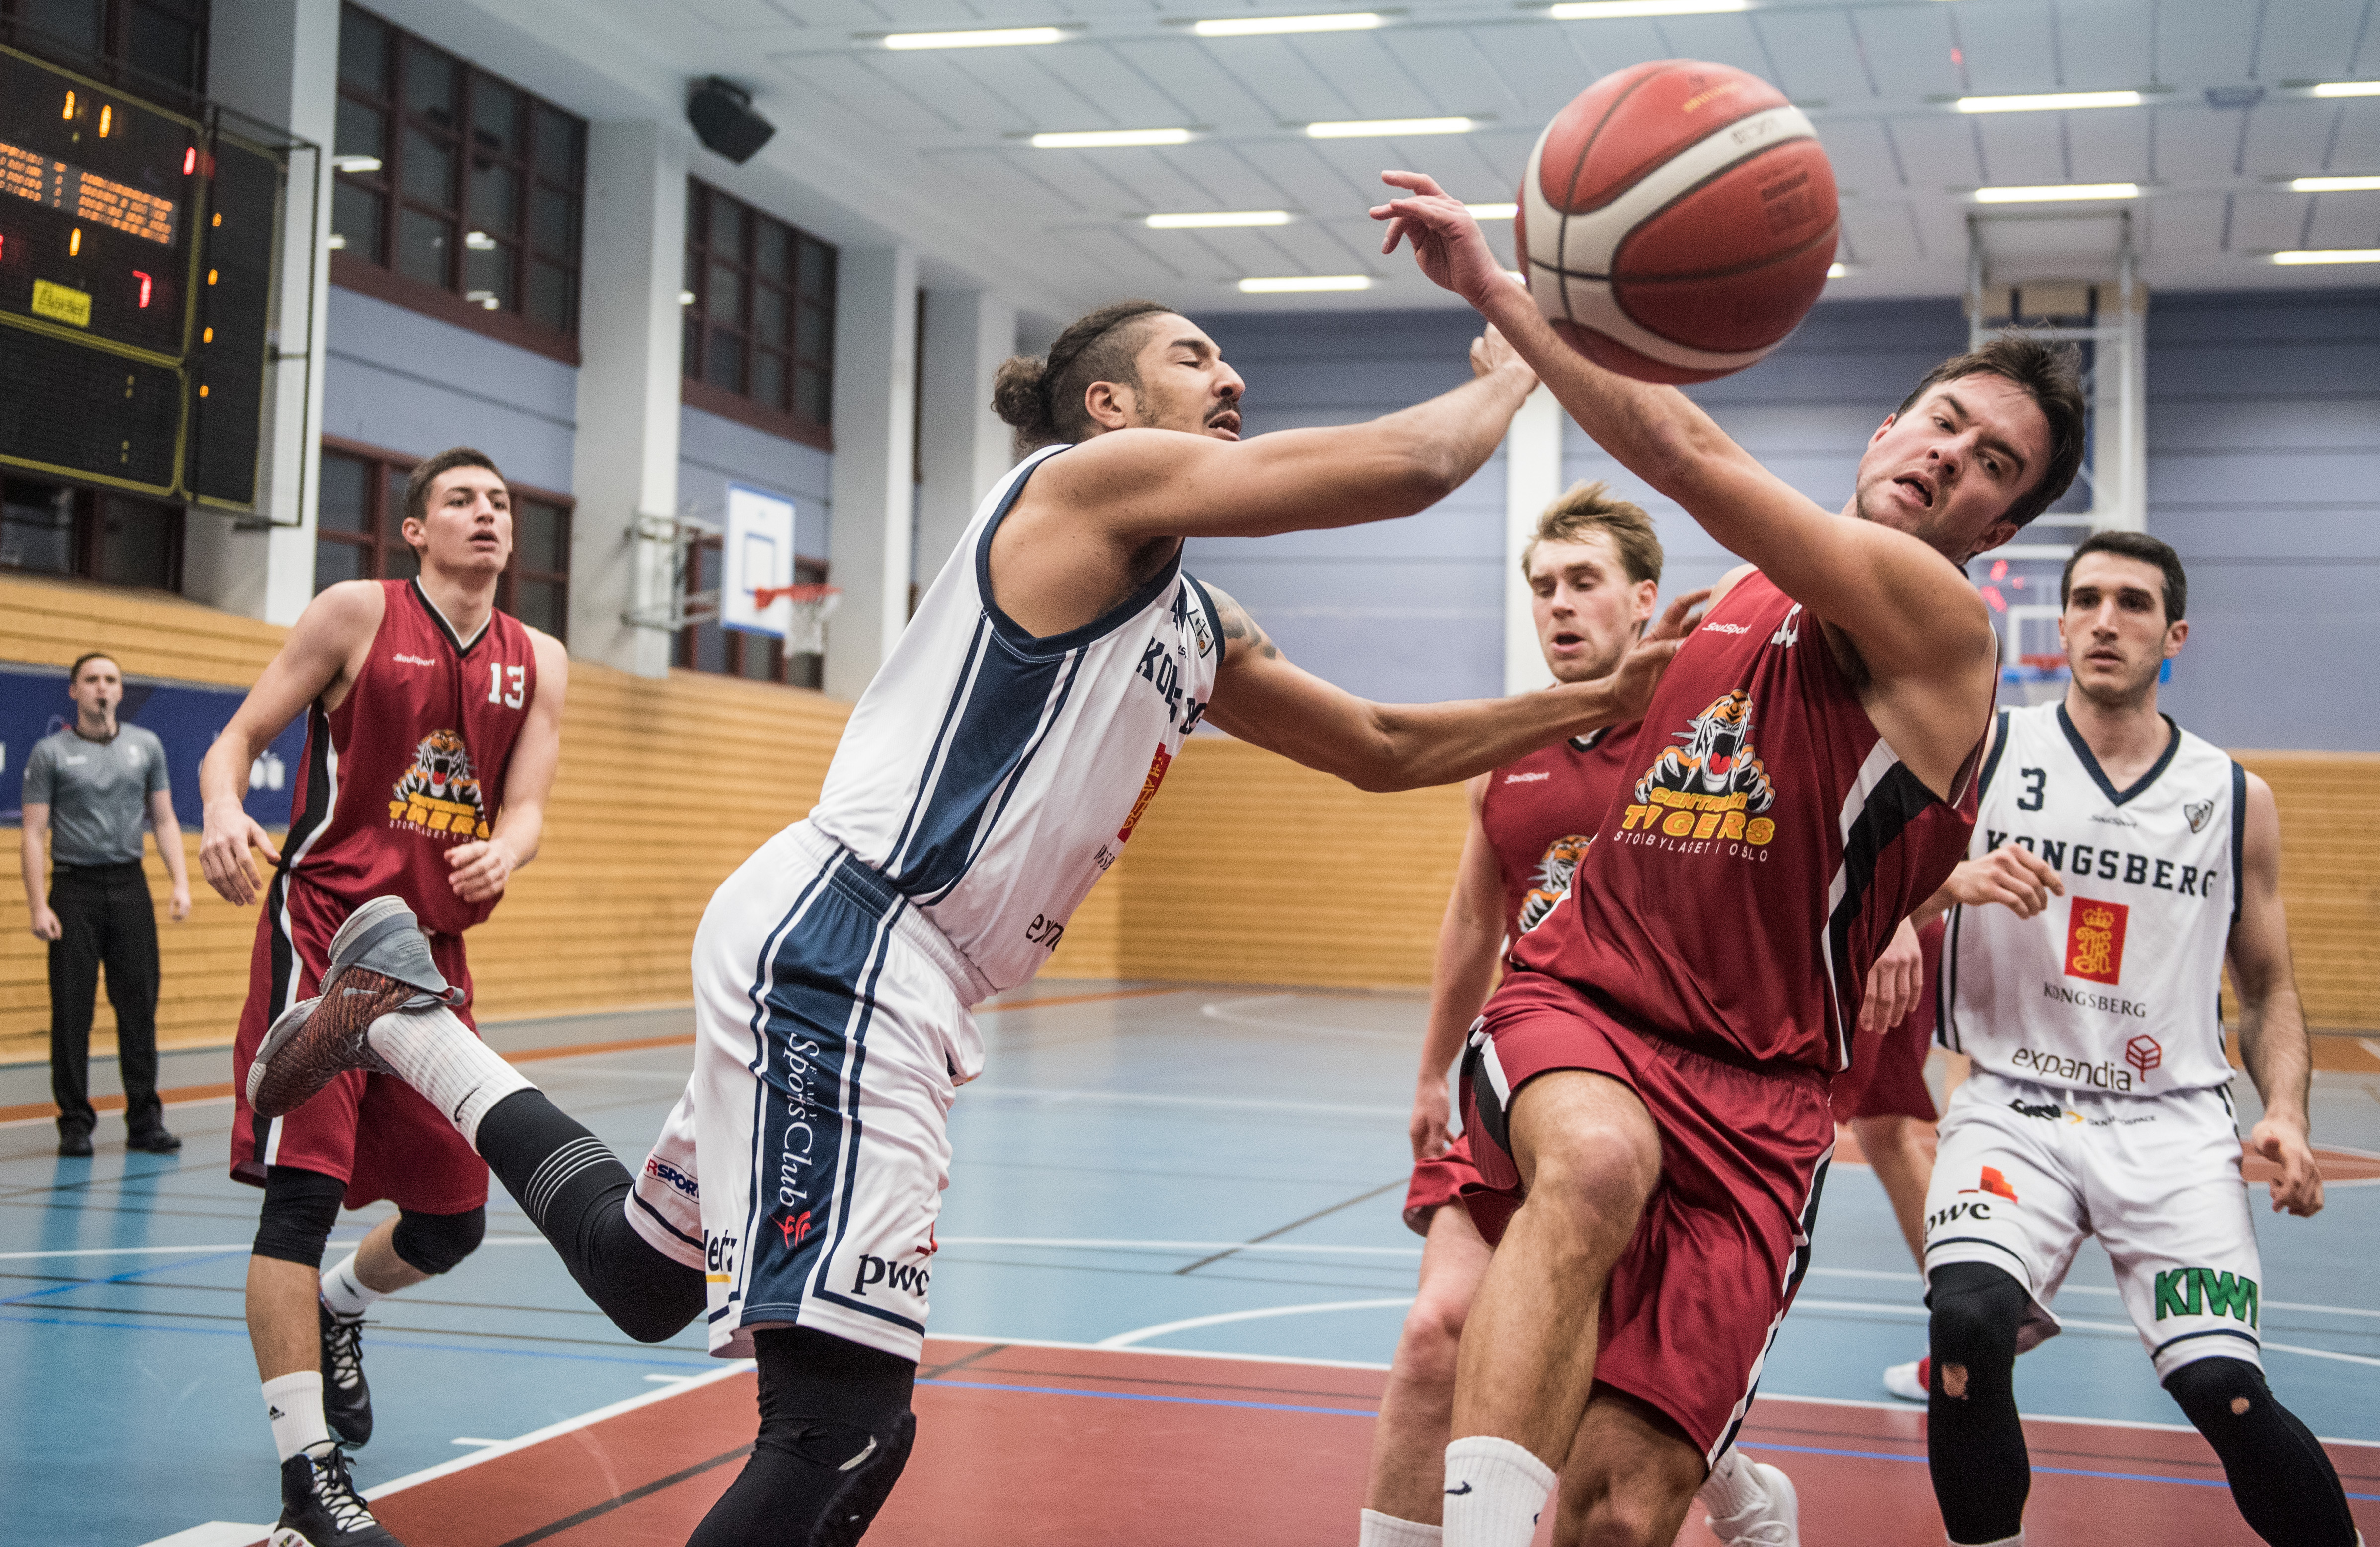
<point>93,786</point>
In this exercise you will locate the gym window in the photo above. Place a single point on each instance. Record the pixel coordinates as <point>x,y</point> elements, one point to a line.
<point>732,652</point>
<point>758,305</point>
<point>457,193</point>
<point>150,48</point>
<point>95,534</point>
<point>360,536</point>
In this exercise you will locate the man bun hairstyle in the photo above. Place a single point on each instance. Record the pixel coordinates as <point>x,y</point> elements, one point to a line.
<point>1588,508</point>
<point>426,471</point>
<point>2051,374</point>
<point>1041,396</point>
<point>2135,545</point>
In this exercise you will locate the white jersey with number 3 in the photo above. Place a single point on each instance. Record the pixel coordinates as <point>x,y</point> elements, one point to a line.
<point>991,776</point>
<point>2113,986</point>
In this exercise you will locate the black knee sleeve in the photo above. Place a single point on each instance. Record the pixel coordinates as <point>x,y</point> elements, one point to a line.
<point>2287,1489</point>
<point>1975,1440</point>
<point>300,1206</point>
<point>433,1243</point>
<point>576,1192</point>
<point>835,1432</point>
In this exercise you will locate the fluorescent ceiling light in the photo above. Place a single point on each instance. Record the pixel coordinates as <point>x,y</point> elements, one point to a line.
<point>2322,255</point>
<point>2347,89</point>
<point>990,37</point>
<point>1093,140</point>
<point>2057,190</point>
<point>1208,219</point>
<point>1837,270</point>
<point>1596,10</point>
<point>2333,185</point>
<point>1304,281</point>
<point>1255,26</point>
<point>1356,127</point>
<point>479,241</point>
<point>1493,212</point>
<point>354,164</point>
<point>2051,101</point>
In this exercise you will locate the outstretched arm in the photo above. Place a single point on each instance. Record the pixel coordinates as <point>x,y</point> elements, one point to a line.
<point>2272,1024</point>
<point>1459,976</point>
<point>1911,614</point>
<point>1260,697</point>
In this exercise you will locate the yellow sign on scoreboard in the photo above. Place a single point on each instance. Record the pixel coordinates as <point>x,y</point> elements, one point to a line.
<point>62,303</point>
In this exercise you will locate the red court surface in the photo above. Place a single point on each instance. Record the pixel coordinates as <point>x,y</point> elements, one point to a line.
<point>1065,1446</point>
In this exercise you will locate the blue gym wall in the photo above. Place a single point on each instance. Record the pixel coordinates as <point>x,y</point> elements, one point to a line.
<point>2264,424</point>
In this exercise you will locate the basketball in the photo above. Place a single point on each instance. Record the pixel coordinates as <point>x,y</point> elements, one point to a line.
<point>1677,221</point>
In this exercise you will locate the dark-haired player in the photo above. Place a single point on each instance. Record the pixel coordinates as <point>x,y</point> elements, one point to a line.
<point>992,772</point>
<point>1649,1086</point>
<point>434,727</point>
<point>1594,569</point>
<point>2120,863</point>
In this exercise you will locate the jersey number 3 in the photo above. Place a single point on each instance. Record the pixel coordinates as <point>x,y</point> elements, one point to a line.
<point>2030,800</point>
<point>504,687</point>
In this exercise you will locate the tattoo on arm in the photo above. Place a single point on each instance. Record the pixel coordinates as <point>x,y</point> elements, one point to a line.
<point>1238,626</point>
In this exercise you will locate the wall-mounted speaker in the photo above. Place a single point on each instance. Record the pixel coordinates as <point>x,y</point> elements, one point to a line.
<point>722,118</point>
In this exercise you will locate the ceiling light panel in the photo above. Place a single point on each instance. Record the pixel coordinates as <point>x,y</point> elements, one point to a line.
<point>2053,102</point>
<point>1265,26</point>
<point>1094,140</point>
<point>2347,89</point>
<point>990,37</point>
<point>2326,255</point>
<point>1357,129</point>
<point>2053,192</point>
<point>1290,283</point>
<point>1213,220</point>
<point>2333,185</point>
<point>1603,10</point>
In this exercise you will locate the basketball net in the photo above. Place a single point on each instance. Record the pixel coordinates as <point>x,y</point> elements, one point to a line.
<point>806,633</point>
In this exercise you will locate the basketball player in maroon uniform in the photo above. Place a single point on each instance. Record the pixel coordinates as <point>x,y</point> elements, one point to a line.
<point>1648,1087</point>
<point>432,731</point>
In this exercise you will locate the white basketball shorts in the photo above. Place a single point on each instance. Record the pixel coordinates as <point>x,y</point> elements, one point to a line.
<point>804,1166</point>
<point>2024,1172</point>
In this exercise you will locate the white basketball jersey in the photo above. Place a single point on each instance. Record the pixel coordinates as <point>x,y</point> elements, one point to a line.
<point>993,776</point>
<point>2113,986</point>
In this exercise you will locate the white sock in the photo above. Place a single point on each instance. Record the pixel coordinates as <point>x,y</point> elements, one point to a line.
<point>1732,1487</point>
<point>293,1404</point>
<point>433,1051</point>
<point>2016,1541</point>
<point>1387,1531</point>
<point>1495,1490</point>
<point>344,1293</point>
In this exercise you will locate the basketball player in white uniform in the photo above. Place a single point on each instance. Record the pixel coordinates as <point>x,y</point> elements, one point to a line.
<point>2119,861</point>
<point>990,774</point>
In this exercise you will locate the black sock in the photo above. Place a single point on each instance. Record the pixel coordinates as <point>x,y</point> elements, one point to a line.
<point>835,1430</point>
<point>1975,1442</point>
<point>2287,1489</point>
<point>576,1192</point>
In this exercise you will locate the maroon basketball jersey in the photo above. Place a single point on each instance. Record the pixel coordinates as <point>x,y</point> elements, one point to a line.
<point>1541,812</point>
<point>412,761</point>
<point>1741,888</point>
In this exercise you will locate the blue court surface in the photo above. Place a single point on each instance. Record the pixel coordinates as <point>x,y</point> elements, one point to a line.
<point>1142,1166</point>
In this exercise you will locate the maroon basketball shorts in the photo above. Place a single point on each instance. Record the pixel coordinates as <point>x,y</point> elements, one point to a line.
<point>370,1130</point>
<point>1693,1304</point>
<point>1888,1074</point>
<point>1438,1182</point>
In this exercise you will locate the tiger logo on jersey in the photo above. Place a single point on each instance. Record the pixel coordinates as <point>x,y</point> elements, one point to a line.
<point>1714,786</point>
<point>441,792</point>
<point>1551,883</point>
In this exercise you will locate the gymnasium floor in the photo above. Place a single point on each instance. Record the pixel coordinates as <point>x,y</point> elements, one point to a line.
<point>1145,1172</point>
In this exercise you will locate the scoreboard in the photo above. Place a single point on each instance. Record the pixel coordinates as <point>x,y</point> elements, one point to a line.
<point>136,282</point>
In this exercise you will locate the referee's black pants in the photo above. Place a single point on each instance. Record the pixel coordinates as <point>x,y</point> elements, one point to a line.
<point>104,917</point>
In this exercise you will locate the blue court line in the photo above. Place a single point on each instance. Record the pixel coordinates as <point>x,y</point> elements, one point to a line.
<point>491,1348</point>
<point>2054,1471</point>
<point>124,1278</point>
<point>1148,1396</point>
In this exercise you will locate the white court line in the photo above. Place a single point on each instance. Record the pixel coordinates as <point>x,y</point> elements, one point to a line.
<point>170,1107</point>
<point>200,1251</point>
<point>1098,1243</point>
<point>1126,1339</point>
<point>1229,1012</point>
<point>1134,1098</point>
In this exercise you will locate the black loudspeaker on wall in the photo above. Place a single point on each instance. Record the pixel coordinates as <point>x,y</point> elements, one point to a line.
<point>722,118</point>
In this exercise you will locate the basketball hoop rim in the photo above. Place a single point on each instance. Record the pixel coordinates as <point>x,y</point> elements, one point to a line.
<point>768,596</point>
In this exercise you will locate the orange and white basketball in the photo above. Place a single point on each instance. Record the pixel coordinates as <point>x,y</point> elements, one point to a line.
<point>1677,221</point>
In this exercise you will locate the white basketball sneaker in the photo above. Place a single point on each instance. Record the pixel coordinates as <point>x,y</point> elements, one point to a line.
<point>1909,1382</point>
<point>1774,1520</point>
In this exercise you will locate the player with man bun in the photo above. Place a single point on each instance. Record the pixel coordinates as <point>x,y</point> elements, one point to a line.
<point>991,773</point>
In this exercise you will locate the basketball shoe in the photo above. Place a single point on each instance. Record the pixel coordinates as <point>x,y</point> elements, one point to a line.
<point>380,961</point>
<point>346,1400</point>
<point>1911,1383</point>
<point>320,1507</point>
<point>1772,1521</point>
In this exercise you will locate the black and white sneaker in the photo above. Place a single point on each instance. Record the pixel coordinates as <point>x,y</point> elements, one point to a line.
<point>346,1400</point>
<point>320,1507</point>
